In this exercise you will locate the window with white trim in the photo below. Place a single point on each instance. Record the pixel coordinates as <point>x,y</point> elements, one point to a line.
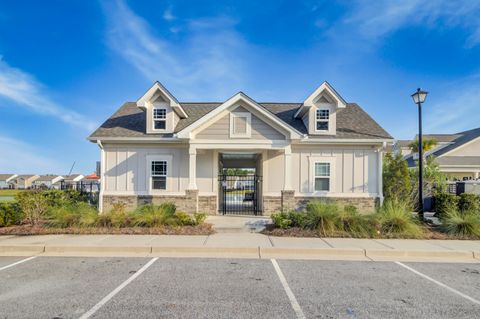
<point>322,177</point>
<point>323,116</point>
<point>159,119</point>
<point>159,175</point>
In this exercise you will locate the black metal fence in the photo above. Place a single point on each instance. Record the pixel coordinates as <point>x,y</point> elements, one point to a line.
<point>91,189</point>
<point>239,195</point>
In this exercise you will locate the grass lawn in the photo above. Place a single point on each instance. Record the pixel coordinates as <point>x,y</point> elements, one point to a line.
<point>9,192</point>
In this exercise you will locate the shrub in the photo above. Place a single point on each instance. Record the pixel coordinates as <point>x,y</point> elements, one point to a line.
<point>33,204</point>
<point>462,224</point>
<point>117,217</point>
<point>156,216</point>
<point>445,202</point>
<point>74,215</point>
<point>281,220</point>
<point>10,214</point>
<point>199,218</point>
<point>354,224</point>
<point>469,203</point>
<point>58,198</point>
<point>322,216</point>
<point>395,218</point>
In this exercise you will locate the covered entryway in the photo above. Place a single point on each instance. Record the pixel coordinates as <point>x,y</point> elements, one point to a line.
<point>239,183</point>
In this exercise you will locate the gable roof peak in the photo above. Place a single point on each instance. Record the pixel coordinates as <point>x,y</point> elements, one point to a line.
<point>312,98</point>
<point>148,97</point>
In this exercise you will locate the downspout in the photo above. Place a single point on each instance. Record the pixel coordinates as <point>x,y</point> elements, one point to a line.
<point>102,176</point>
<point>380,172</point>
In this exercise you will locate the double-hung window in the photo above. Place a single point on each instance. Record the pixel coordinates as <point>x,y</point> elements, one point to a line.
<point>159,119</point>
<point>159,175</point>
<point>322,177</point>
<point>322,118</point>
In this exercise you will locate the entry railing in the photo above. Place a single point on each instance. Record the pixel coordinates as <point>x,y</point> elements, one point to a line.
<point>239,194</point>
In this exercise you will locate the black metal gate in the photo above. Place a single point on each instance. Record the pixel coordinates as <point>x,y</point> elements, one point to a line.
<point>239,195</point>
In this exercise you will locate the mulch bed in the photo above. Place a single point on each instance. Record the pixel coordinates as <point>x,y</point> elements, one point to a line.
<point>430,233</point>
<point>204,229</point>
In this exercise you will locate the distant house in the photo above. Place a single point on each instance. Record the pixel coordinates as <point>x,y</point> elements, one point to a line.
<point>5,180</point>
<point>47,181</point>
<point>73,178</point>
<point>458,155</point>
<point>23,181</point>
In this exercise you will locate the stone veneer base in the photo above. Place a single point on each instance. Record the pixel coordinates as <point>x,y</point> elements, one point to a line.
<point>192,202</point>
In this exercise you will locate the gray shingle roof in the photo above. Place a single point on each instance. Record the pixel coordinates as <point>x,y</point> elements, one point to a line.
<point>46,178</point>
<point>440,138</point>
<point>352,122</point>
<point>459,160</point>
<point>460,139</point>
<point>4,177</point>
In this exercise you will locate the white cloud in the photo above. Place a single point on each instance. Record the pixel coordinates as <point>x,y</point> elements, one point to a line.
<point>22,158</point>
<point>208,63</point>
<point>375,19</point>
<point>168,14</point>
<point>458,110</point>
<point>21,88</point>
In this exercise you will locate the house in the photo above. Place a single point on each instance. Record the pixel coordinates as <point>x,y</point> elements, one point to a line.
<point>403,146</point>
<point>47,181</point>
<point>23,181</point>
<point>5,180</point>
<point>72,181</point>
<point>458,154</point>
<point>158,149</point>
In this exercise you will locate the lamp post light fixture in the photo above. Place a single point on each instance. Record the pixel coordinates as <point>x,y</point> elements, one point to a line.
<point>418,98</point>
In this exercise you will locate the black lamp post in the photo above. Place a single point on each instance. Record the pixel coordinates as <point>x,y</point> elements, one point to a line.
<point>419,97</point>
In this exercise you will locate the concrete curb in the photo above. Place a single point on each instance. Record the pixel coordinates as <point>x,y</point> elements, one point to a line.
<point>31,249</point>
<point>395,254</point>
<point>244,252</point>
<point>312,253</point>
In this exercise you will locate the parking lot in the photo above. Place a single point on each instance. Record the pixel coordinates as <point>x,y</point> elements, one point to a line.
<point>81,287</point>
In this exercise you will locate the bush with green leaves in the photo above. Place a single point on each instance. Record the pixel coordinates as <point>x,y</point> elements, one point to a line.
<point>469,203</point>
<point>396,178</point>
<point>10,214</point>
<point>464,224</point>
<point>34,206</point>
<point>445,202</point>
<point>395,218</point>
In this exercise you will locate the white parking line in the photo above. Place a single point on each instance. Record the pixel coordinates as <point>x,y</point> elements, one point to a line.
<point>117,290</point>
<point>439,283</point>
<point>18,262</point>
<point>296,307</point>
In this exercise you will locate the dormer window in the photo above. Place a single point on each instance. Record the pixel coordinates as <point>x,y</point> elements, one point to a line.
<point>322,118</point>
<point>159,119</point>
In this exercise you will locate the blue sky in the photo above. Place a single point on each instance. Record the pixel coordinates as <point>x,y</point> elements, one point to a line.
<point>65,66</point>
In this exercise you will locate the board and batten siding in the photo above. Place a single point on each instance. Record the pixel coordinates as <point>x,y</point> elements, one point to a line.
<point>220,130</point>
<point>354,170</point>
<point>126,169</point>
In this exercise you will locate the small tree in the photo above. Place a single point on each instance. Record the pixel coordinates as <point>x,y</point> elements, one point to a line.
<point>433,179</point>
<point>396,178</point>
<point>428,144</point>
<point>33,204</point>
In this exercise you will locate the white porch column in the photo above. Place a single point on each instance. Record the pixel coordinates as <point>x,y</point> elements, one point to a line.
<point>476,175</point>
<point>192,168</point>
<point>287,184</point>
<point>380,174</point>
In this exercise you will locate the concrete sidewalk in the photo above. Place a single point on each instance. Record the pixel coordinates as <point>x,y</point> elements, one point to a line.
<point>242,245</point>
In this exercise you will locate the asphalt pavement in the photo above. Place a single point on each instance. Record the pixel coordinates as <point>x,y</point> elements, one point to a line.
<point>86,287</point>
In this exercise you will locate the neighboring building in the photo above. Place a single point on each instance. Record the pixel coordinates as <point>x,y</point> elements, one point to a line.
<point>5,180</point>
<point>74,178</point>
<point>47,181</point>
<point>158,149</point>
<point>458,155</point>
<point>23,181</point>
